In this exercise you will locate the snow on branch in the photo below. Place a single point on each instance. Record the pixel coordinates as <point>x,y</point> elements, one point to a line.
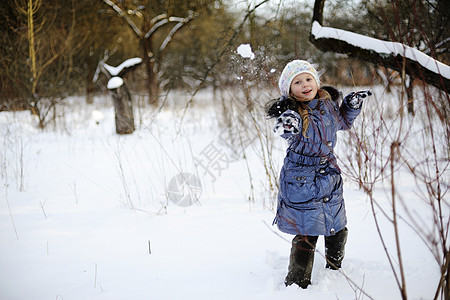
<point>115,74</point>
<point>161,20</point>
<point>114,83</point>
<point>122,14</point>
<point>181,22</point>
<point>383,48</point>
<point>157,18</point>
<point>155,27</point>
<point>389,54</point>
<point>114,71</point>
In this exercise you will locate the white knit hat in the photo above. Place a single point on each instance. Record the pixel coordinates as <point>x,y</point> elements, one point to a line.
<point>293,69</point>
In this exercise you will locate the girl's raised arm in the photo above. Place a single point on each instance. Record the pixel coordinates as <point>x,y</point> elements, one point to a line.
<point>351,107</point>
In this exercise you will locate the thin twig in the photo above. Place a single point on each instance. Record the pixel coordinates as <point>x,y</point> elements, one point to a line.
<point>394,146</point>
<point>10,212</point>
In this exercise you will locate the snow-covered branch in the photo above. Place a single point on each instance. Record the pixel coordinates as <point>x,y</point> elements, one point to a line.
<point>157,18</point>
<point>115,74</point>
<point>169,36</point>
<point>115,71</point>
<point>380,47</point>
<point>122,14</point>
<point>392,55</point>
<point>161,20</point>
<point>182,21</point>
<point>155,27</point>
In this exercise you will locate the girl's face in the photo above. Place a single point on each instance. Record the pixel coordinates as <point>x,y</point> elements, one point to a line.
<point>304,87</point>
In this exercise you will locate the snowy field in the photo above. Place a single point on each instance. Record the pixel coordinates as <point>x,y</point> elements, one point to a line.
<point>86,214</point>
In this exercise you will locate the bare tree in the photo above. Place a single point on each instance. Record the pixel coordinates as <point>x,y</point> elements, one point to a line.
<point>146,32</point>
<point>41,73</point>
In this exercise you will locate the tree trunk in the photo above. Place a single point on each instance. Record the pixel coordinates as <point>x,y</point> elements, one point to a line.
<point>123,108</point>
<point>90,88</point>
<point>149,62</point>
<point>409,95</point>
<point>90,85</point>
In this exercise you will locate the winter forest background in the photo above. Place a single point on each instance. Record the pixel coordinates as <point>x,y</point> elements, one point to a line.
<point>136,161</point>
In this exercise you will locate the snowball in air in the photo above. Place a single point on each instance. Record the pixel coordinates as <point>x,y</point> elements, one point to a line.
<point>97,115</point>
<point>245,50</point>
<point>114,83</point>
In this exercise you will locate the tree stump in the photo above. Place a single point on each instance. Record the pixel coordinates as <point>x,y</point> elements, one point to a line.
<point>123,108</point>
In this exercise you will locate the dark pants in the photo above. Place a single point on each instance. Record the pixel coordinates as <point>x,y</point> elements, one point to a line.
<point>302,256</point>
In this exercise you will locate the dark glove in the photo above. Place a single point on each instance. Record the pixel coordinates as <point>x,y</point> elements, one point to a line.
<point>276,107</point>
<point>354,100</point>
<point>288,122</point>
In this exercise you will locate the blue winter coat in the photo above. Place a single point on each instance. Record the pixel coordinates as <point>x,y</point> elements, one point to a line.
<point>310,200</point>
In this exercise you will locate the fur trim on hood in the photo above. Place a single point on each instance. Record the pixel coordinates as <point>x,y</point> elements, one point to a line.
<point>334,93</point>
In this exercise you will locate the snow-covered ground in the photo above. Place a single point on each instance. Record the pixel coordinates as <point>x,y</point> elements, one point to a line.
<point>84,214</point>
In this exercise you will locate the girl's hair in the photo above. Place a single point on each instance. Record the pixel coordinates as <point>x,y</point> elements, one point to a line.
<point>303,111</point>
<point>276,107</point>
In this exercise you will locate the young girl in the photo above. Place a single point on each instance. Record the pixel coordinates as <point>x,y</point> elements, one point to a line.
<point>310,201</point>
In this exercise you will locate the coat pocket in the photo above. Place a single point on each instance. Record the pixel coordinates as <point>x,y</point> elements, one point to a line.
<point>298,185</point>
